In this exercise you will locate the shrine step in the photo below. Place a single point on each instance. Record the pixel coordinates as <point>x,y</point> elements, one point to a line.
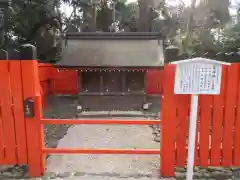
<point>119,114</point>
<point>109,103</point>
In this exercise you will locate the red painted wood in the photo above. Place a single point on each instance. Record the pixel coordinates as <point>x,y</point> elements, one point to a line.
<point>154,81</point>
<point>34,129</point>
<point>7,114</point>
<point>100,151</point>
<point>2,145</point>
<point>65,82</point>
<point>56,74</point>
<point>229,118</point>
<point>205,121</point>
<point>197,143</point>
<point>183,105</point>
<point>65,86</point>
<point>236,154</point>
<point>45,91</point>
<point>217,122</point>
<point>168,117</point>
<point>45,72</point>
<point>17,95</point>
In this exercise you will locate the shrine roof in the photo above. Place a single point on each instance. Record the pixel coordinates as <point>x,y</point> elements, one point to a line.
<point>106,50</point>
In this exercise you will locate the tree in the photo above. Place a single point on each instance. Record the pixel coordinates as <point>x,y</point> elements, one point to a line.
<point>43,24</point>
<point>203,21</point>
<point>36,22</point>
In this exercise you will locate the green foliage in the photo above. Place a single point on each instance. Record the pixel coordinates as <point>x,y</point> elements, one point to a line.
<point>203,24</point>
<point>230,39</point>
<point>36,22</point>
<point>41,22</point>
<point>28,16</point>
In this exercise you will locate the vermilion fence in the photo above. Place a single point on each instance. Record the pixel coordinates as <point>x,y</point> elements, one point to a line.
<point>57,82</point>
<point>218,129</point>
<point>67,81</point>
<point>154,81</point>
<point>13,138</point>
<point>218,135</point>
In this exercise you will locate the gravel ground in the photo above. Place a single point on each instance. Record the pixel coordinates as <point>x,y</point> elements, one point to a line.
<point>107,136</point>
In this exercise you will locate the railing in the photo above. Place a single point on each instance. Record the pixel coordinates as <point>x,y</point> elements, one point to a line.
<point>102,122</point>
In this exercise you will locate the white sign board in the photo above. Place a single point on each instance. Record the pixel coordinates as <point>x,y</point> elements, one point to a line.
<point>198,78</point>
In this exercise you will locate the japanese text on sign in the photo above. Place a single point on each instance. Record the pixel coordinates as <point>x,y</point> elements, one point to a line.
<point>198,78</point>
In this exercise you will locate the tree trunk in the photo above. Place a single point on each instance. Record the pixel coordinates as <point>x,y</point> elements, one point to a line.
<point>190,24</point>
<point>145,12</point>
<point>89,16</point>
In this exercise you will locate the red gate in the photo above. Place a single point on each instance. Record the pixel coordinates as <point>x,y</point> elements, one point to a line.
<point>37,163</point>
<point>35,121</point>
<point>13,146</point>
<point>21,122</point>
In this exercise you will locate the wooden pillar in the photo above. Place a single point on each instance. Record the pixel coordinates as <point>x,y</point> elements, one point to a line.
<point>168,117</point>
<point>17,100</point>
<point>124,87</point>
<point>32,110</point>
<point>101,83</point>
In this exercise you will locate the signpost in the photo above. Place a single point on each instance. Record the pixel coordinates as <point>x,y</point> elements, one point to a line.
<point>196,76</point>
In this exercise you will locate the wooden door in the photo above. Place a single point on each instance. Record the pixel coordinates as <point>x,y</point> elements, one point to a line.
<point>112,82</point>
<point>135,81</point>
<point>90,82</point>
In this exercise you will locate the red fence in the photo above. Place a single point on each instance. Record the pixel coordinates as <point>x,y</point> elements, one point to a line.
<point>218,132</point>
<point>67,82</point>
<point>218,129</point>
<point>57,82</point>
<point>13,145</point>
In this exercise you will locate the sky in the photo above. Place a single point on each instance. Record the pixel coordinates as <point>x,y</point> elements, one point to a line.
<point>68,10</point>
<point>188,2</point>
<point>173,2</point>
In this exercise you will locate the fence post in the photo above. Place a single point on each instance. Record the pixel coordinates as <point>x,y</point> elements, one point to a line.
<point>2,148</point>
<point>168,117</point>
<point>32,110</point>
<point>17,98</point>
<point>8,151</point>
